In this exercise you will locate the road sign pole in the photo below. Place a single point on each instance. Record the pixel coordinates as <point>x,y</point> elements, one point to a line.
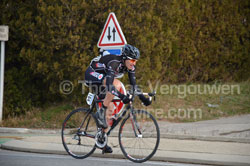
<point>4,36</point>
<point>2,79</point>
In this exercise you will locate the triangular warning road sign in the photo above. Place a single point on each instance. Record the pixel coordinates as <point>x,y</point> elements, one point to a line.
<point>112,35</point>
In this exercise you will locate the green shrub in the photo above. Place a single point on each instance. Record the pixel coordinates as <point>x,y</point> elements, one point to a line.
<point>180,41</point>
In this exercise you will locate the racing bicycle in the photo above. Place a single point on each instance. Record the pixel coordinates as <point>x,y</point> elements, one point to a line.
<point>138,134</point>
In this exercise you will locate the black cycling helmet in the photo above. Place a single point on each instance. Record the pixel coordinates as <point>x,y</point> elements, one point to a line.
<point>130,52</point>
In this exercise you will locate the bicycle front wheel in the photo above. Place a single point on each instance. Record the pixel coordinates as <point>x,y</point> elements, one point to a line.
<point>78,133</point>
<point>139,136</point>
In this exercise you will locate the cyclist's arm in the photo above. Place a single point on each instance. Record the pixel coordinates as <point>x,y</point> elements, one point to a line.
<point>132,80</point>
<point>110,79</point>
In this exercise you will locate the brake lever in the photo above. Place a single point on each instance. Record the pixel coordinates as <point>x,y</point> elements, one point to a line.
<point>152,94</point>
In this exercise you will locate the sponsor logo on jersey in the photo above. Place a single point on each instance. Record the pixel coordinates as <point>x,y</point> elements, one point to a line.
<point>100,76</point>
<point>97,75</point>
<point>99,65</point>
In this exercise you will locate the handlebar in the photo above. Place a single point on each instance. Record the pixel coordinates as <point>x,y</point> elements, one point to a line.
<point>151,95</point>
<point>136,93</point>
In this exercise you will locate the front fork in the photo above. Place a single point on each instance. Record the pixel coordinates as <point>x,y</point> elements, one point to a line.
<point>135,124</point>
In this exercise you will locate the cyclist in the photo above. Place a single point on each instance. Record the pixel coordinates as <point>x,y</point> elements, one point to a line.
<point>104,70</point>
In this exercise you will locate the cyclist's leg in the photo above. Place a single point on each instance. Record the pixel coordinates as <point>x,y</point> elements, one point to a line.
<point>109,112</point>
<point>101,114</point>
<point>108,108</point>
<point>94,79</point>
<point>109,97</point>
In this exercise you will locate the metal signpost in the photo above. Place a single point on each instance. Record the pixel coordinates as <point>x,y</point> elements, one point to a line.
<point>4,35</point>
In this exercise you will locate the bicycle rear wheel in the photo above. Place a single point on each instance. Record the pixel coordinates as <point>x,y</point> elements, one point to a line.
<point>139,136</point>
<point>78,133</point>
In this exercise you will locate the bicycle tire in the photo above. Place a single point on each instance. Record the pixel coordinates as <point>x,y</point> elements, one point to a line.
<point>149,133</point>
<point>79,142</point>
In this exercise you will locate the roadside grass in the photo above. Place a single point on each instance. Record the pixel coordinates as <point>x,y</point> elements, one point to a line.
<point>221,100</point>
<point>51,117</point>
<point>174,106</point>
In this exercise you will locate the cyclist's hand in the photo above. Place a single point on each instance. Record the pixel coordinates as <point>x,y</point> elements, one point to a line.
<point>125,99</point>
<point>145,100</point>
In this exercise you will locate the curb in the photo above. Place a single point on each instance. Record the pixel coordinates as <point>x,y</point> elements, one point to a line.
<point>27,131</point>
<point>115,133</point>
<point>206,138</point>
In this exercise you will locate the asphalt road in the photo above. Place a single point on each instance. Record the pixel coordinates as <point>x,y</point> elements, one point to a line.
<point>13,158</point>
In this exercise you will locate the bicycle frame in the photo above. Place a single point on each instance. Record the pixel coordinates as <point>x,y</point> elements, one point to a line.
<point>118,116</point>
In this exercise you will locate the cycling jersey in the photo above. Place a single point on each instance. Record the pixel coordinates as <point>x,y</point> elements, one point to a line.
<point>108,66</point>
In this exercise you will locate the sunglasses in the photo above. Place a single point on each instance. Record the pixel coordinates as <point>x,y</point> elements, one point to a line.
<point>132,60</point>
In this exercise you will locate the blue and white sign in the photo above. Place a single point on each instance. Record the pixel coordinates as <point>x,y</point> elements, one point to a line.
<point>115,51</point>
